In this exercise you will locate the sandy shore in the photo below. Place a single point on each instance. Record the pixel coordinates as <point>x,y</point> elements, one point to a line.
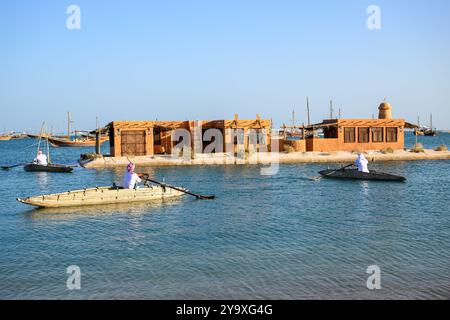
<point>265,158</point>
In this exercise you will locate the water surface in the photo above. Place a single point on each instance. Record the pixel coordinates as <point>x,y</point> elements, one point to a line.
<point>279,237</point>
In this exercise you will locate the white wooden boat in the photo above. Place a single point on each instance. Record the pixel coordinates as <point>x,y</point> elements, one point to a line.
<point>102,195</point>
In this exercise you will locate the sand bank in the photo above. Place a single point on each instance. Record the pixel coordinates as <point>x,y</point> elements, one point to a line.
<point>263,158</point>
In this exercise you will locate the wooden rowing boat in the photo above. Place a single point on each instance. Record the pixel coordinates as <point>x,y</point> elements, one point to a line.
<point>102,195</point>
<point>355,174</point>
<point>50,167</point>
<point>33,167</point>
<point>57,142</point>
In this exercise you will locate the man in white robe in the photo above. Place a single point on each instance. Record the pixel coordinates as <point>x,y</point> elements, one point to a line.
<point>131,179</point>
<point>41,159</point>
<point>362,163</point>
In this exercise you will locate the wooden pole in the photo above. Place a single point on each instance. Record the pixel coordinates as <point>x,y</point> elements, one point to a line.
<point>40,137</point>
<point>68,125</point>
<point>307,110</point>
<point>97,137</point>
<point>415,137</point>
<point>331,109</point>
<point>293,120</point>
<point>97,142</point>
<point>48,149</point>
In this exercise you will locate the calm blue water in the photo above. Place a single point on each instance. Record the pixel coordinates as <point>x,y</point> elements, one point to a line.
<point>280,237</point>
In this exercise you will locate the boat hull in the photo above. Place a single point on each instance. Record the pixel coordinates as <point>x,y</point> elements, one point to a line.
<point>73,143</point>
<point>426,132</point>
<point>354,174</point>
<point>100,196</point>
<point>49,168</point>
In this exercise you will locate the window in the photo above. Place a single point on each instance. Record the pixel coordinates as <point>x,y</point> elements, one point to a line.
<point>349,135</point>
<point>157,138</point>
<point>377,134</point>
<point>260,136</point>
<point>330,132</point>
<point>363,135</point>
<point>391,134</point>
<point>238,136</point>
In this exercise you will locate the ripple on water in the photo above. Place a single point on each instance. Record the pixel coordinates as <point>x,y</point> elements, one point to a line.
<point>280,237</point>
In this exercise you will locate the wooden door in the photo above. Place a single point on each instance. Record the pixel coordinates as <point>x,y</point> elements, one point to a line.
<point>133,143</point>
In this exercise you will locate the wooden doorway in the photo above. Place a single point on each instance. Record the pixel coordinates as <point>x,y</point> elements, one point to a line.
<point>133,143</point>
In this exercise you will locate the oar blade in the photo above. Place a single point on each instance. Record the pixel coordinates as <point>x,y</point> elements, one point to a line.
<point>10,167</point>
<point>211,197</point>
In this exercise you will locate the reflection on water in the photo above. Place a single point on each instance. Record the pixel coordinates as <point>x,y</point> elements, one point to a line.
<point>70,213</point>
<point>365,188</point>
<point>42,178</point>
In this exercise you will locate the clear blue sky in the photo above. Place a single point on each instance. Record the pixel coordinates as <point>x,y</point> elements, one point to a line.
<point>177,60</point>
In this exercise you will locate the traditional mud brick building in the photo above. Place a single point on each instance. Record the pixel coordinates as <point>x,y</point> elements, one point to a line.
<point>354,134</point>
<point>146,138</point>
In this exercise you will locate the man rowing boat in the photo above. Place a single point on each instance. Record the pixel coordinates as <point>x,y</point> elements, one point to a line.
<point>131,178</point>
<point>362,163</point>
<point>41,159</point>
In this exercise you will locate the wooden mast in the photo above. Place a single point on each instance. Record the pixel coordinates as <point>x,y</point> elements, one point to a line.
<point>40,137</point>
<point>307,110</point>
<point>68,125</point>
<point>331,109</point>
<point>293,120</point>
<point>48,150</point>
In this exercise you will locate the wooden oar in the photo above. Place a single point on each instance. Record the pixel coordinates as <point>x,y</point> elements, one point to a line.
<point>329,173</point>
<point>10,167</point>
<point>198,196</point>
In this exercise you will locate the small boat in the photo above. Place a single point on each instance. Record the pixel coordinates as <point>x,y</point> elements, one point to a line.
<point>44,136</point>
<point>426,131</point>
<point>33,167</point>
<point>430,133</point>
<point>49,167</point>
<point>88,142</point>
<point>355,174</point>
<point>19,136</point>
<point>102,195</point>
<point>5,138</point>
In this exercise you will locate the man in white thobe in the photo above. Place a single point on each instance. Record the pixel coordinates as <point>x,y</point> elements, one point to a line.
<point>362,163</point>
<point>41,159</point>
<point>131,178</point>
